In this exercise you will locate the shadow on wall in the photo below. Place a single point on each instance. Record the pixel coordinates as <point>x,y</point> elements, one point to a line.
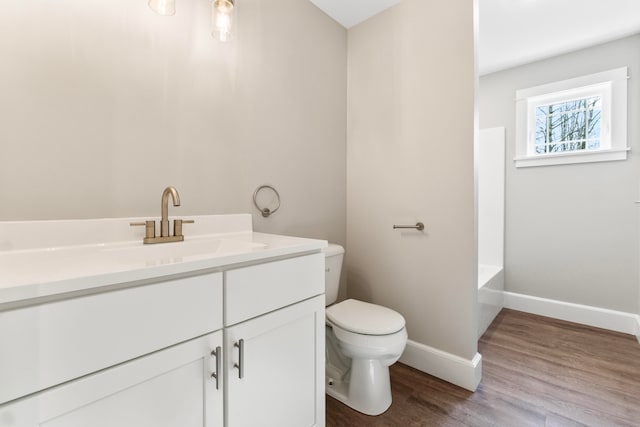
<point>359,287</point>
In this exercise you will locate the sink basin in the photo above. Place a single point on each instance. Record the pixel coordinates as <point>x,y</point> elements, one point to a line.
<point>177,251</point>
<point>41,259</point>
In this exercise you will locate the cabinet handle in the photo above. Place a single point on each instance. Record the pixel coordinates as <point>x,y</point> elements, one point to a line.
<point>240,364</point>
<point>216,375</point>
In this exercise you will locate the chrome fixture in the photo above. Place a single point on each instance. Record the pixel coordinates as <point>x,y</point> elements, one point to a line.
<point>419,226</point>
<point>217,353</point>
<point>266,212</point>
<point>150,225</point>
<point>240,365</point>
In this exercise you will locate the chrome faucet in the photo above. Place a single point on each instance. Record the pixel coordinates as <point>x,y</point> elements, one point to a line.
<point>164,208</point>
<point>165,235</point>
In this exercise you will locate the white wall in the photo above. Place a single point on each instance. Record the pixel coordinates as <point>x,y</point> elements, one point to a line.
<point>411,157</point>
<point>491,197</point>
<point>105,103</point>
<point>571,230</point>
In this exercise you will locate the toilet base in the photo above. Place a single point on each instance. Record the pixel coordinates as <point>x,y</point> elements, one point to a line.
<point>366,388</point>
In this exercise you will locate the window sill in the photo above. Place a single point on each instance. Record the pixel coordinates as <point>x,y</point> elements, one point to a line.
<point>569,158</point>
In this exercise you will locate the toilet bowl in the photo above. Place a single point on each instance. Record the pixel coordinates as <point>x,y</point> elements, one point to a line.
<point>362,341</point>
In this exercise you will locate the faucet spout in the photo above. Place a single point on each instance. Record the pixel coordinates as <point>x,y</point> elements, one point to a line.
<point>164,220</point>
<point>150,225</point>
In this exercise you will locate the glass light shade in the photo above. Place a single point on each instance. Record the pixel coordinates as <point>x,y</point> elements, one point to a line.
<point>163,7</point>
<point>222,19</point>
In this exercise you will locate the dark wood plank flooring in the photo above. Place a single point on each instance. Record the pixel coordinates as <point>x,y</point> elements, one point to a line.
<point>536,371</point>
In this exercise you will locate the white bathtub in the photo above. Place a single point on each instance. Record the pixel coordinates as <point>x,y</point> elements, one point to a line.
<point>490,295</point>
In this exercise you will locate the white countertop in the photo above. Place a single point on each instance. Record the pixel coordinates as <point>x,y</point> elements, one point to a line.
<point>40,259</point>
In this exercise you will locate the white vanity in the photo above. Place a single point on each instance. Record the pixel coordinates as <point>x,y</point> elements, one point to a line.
<point>97,329</point>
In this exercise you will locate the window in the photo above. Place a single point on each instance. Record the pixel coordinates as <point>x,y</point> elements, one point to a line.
<point>568,125</point>
<point>573,121</point>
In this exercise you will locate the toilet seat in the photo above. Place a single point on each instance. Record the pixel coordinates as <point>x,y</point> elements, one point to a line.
<point>364,318</point>
<point>364,346</point>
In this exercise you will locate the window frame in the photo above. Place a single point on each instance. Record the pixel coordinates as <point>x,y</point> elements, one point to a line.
<point>610,85</point>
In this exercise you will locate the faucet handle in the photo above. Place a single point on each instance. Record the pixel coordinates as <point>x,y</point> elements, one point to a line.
<point>150,228</point>
<point>177,225</point>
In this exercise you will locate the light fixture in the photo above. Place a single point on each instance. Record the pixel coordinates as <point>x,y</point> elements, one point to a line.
<point>163,7</point>
<point>222,17</point>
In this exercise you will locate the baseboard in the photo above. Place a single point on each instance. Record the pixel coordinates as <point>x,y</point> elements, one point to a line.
<point>449,367</point>
<point>619,321</point>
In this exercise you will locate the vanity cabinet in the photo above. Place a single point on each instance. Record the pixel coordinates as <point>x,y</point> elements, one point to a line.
<point>143,356</point>
<point>168,388</point>
<point>275,356</point>
<point>111,358</point>
<point>45,345</point>
<point>272,377</point>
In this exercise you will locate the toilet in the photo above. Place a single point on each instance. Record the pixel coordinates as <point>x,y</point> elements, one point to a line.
<point>362,341</point>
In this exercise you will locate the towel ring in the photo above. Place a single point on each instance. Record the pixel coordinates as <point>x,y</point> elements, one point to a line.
<point>266,212</point>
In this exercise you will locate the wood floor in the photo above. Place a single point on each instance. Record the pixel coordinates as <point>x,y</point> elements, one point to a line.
<point>536,371</point>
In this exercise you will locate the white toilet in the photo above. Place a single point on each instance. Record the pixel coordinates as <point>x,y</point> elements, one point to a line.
<point>362,341</point>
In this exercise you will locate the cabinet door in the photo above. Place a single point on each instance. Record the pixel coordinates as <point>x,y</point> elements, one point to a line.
<point>169,388</point>
<point>49,344</point>
<point>275,368</point>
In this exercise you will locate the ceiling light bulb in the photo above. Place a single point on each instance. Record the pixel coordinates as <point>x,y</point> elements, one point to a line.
<point>163,7</point>
<point>222,19</point>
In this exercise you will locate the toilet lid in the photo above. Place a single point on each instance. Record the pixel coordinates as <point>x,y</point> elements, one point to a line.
<point>364,318</point>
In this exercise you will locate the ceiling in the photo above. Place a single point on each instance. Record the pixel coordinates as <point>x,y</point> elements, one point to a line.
<point>352,12</point>
<point>515,32</point>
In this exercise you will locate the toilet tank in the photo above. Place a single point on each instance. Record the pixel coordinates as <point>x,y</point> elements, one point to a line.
<point>333,266</point>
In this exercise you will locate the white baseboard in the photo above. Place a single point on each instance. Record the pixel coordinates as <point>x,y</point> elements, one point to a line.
<point>449,367</point>
<point>619,321</point>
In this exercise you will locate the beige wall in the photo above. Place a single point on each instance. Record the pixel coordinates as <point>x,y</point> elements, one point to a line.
<point>571,230</point>
<point>105,103</point>
<point>410,158</point>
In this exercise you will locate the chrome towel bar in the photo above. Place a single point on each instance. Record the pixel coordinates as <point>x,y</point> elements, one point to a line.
<point>419,226</point>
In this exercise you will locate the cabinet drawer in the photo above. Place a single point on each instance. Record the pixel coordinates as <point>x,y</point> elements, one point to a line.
<point>46,345</point>
<point>168,388</point>
<point>252,291</point>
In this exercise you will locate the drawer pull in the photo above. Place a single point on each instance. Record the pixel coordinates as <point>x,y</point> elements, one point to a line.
<point>216,375</point>
<point>240,364</point>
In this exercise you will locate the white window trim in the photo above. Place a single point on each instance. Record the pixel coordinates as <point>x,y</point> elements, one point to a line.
<point>615,124</point>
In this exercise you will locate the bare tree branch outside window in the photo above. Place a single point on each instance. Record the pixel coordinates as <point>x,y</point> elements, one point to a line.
<point>568,126</point>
